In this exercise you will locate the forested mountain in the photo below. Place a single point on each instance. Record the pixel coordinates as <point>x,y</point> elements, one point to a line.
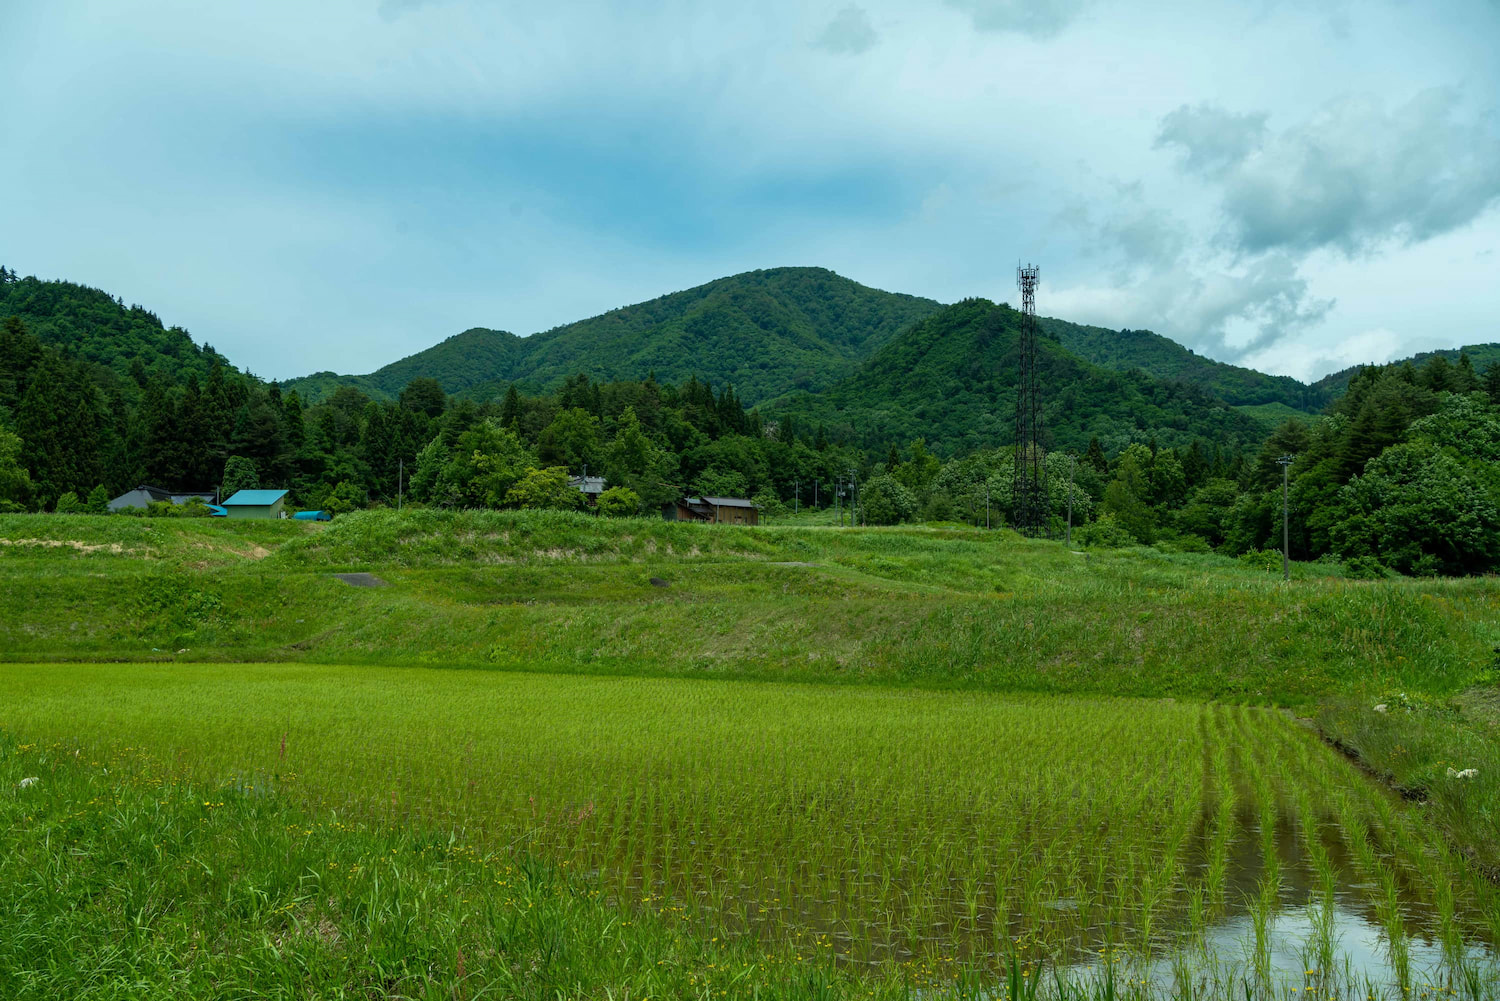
<point>1163,358</point>
<point>764,332</point>
<point>458,364</point>
<point>951,379</point>
<point>1480,357</point>
<point>95,328</point>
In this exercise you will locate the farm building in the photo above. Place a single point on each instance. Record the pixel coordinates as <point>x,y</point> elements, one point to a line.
<point>257,504</point>
<point>143,495</point>
<point>723,510</point>
<point>590,486</point>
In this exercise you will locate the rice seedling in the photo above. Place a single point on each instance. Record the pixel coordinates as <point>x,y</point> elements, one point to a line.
<point>824,822</point>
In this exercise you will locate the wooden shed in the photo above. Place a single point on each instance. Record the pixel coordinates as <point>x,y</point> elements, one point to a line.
<point>256,504</point>
<point>721,510</point>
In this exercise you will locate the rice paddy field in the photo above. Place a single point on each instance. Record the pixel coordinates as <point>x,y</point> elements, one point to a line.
<point>812,764</point>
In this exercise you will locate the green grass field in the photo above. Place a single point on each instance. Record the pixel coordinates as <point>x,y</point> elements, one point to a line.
<point>888,756</point>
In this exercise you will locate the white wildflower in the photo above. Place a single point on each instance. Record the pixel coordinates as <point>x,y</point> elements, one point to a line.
<point>1381,708</point>
<point>1466,773</point>
<point>27,783</point>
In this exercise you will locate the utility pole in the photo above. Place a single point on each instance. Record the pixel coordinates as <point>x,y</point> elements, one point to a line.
<point>838,500</point>
<point>986,504</point>
<point>1285,462</point>
<point>400,472</point>
<point>1072,465</point>
<point>853,499</point>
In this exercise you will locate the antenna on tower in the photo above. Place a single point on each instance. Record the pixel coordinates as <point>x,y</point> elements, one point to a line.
<point>1029,482</point>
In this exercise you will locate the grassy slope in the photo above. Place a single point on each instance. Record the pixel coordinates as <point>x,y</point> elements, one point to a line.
<point>945,608</point>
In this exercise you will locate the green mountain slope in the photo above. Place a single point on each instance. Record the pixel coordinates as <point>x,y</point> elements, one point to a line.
<point>951,378</point>
<point>459,363</point>
<point>96,328</point>
<point>1164,358</point>
<point>1482,356</point>
<point>766,332</point>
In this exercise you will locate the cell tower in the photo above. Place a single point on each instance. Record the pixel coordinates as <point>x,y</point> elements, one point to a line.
<point>1029,486</point>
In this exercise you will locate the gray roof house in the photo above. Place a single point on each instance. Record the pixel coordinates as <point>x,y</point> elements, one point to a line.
<point>143,495</point>
<point>590,486</point>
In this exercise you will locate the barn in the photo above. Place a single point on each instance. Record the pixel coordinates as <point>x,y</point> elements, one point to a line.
<point>722,510</point>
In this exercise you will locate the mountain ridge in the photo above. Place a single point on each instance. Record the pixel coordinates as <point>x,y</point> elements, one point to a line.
<point>950,378</point>
<point>656,335</point>
<point>765,332</point>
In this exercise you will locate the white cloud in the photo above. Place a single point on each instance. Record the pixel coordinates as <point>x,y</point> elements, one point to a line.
<point>1353,176</point>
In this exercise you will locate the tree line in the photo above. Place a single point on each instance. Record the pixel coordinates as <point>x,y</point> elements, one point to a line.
<point>1398,475</point>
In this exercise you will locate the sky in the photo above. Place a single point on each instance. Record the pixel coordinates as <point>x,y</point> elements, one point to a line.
<point>335,185</point>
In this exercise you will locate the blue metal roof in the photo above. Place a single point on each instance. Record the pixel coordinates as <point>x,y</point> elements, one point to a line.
<point>255,498</point>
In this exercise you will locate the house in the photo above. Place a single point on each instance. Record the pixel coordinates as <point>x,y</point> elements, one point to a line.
<point>142,495</point>
<point>257,504</point>
<point>722,510</point>
<point>590,486</point>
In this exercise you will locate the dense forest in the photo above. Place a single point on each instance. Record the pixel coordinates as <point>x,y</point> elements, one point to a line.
<point>766,332</point>
<point>1397,474</point>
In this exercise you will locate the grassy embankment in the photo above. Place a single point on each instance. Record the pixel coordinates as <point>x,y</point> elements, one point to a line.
<point>955,609</point>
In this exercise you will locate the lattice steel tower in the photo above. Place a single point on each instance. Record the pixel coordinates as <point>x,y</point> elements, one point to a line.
<point>1029,486</point>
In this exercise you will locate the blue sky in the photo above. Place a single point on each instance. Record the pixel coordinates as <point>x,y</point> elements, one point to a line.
<point>336,185</point>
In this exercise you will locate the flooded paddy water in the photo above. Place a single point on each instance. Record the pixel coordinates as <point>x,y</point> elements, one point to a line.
<point>921,833</point>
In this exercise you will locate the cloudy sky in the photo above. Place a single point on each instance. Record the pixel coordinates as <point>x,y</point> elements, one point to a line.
<point>334,185</point>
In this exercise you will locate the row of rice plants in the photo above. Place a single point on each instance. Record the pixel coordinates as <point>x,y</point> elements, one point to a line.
<point>929,831</point>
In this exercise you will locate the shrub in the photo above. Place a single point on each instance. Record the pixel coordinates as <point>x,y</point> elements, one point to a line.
<point>619,502</point>
<point>770,505</point>
<point>939,507</point>
<point>344,498</point>
<point>1105,533</point>
<point>1365,568</point>
<point>69,503</point>
<point>1185,543</point>
<point>547,489</point>
<point>1268,560</point>
<point>885,501</point>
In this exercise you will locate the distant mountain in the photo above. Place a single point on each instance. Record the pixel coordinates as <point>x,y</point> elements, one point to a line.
<point>459,364</point>
<point>765,332</point>
<point>951,379</point>
<point>1482,356</point>
<point>1124,350</point>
